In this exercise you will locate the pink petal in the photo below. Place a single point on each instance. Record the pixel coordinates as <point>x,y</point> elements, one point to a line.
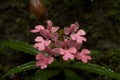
<point>73,36</point>
<point>35,30</point>
<point>43,64</point>
<point>88,57</point>
<point>81,39</point>
<point>77,56</point>
<point>84,60</point>
<point>83,55</point>
<point>73,43</point>
<point>81,32</point>
<point>62,51</point>
<point>40,56</point>
<point>68,56</point>
<point>66,30</point>
<point>49,23</point>
<point>73,50</point>
<point>50,60</point>
<point>40,46</point>
<point>47,42</point>
<point>54,36</point>
<point>74,27</point>
<point>55,51</point>
<point>45,33</point>
<point>38,63</point>
<point>54,29</point>
<point>85,51</point>
<point>77,26</point>
<point>84,39</point>
<point>39,27</point>
<point>65,43</point>
<point>36,45</point>
<point>39,39</point>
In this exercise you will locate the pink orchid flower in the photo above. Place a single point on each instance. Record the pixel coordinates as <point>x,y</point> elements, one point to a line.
<point>50,45</point>
<point>46,33</point>
<point>54,36</point>
<point>50,32</point>
<point>73,28</point>
<point>83,55</point>
<point>79,36</point>
<point>51,27</point>
<point>43,60</point>
<point>41,43</point>
<point>73,43</point>
<point>53,30</point>
<point>68,54</point>
<point>38,28</point>
<point>49,23</point>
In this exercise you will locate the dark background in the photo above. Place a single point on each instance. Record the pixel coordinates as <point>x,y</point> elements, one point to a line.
<point>99,18</point>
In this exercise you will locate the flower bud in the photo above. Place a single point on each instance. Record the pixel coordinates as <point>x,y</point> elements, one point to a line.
<point>37,8</point>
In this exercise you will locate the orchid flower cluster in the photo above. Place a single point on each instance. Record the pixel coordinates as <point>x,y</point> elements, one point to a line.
<point>67,45</point>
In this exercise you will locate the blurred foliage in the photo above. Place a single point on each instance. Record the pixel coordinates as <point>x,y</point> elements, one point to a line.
<point>99,18</point>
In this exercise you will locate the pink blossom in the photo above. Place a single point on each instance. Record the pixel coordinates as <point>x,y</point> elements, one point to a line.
<point>68,54</point>
<point>73,43</point>
<point>50,32</point>
<point>83,55</point>
<point>51,27</point>
<point>41,43</point>
<point>65,43</point>
<point>45,33</point>
<point>66,46</point>
<point>54,29</point>
<point>53,51</point>
<point>43,60</point>
<point>73,28</point>
<point>54,36</point>
<point>38,28</point>
<point>61,44</point>
<point>79,36</point>
<point>49,23</point>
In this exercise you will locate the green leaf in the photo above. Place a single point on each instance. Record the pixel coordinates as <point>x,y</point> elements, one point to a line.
<point>45,74</point>
<point>96,69</point>
<point>21,46</point>
<point>23,67</point>
<point>71,75</point>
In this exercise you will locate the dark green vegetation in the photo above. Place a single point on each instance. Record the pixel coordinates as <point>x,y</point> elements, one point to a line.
<point>99,18</point>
